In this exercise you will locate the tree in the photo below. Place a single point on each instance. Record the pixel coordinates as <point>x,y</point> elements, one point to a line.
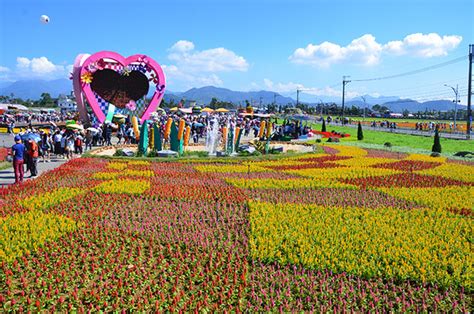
<point>213,103</point>
<point>436,145</point>
<point>323,127</point>
<point>360,135</point>
<point>46,100</point>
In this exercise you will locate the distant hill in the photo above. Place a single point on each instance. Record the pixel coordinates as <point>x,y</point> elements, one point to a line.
<point>357,101</point>
<point>32,89</point>
<point>204,95</point>
<point>415,106</point>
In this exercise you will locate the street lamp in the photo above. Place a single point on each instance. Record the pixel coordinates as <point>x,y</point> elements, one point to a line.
<point>456,92</point>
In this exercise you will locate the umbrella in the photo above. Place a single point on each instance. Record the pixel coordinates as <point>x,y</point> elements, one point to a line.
<point>31,136</point>
<point>300,117</point>
<point>119,116</point>
<point>207,110</point>
<point>222,110</point>
<point>198,125</point>
<point>75,126</point>
<point>174,109</point>
<point>93,130</point>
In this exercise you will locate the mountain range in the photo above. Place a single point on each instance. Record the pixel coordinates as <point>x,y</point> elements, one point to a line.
<point>32,89</point>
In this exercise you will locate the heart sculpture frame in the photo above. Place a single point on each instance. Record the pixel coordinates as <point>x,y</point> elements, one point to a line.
<point>86,66</point>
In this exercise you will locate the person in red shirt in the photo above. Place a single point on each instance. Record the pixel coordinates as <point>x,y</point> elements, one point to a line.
<point>33,152</point>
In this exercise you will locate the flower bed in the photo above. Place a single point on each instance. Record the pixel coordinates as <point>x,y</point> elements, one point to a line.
<point>373,233</point>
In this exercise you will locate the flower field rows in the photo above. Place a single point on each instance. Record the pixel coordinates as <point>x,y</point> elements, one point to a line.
<point>347,229</point>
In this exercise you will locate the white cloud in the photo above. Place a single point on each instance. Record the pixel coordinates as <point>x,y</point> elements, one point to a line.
<point>182,46</point>
<point>421,45</point>
<point>175,76</point>
<point>193,68</point>
<point>211,60</point>
<point>39,68</point>
<point>291,87</point>
<point>365,50</point>
<point>282,87</point>
<point>4,69</point>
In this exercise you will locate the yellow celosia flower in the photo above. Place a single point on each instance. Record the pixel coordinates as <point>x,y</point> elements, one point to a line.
<point>49,199</point>
<point>452,171</point>
<point>420,244</point>
<point>25,232</point>
<point>122,186</point>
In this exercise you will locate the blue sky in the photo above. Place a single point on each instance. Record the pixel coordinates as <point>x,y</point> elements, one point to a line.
<point>251,45</point>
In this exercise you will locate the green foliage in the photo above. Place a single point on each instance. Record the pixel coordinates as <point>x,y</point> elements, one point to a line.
<point>195,153</point>
<point>46,100</point>
<point>437,144</point>
<point>360,134</point>
<point>119,152</point>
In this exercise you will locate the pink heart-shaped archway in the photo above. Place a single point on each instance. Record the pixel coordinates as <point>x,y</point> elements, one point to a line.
<point>83,75</point>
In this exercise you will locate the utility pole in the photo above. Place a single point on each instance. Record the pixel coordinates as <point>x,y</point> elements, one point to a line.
<point>274,98</point>
<point>297,97</point>
<point>469,93</point>
<point>365,104</point>
<point>344,82</point>
<point>260,102</point>
<point>455,101</point>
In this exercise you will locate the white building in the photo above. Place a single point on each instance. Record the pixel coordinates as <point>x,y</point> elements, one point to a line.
<point>66,103</point>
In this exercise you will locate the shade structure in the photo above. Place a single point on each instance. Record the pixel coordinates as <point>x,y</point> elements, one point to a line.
<point>119,116</point>
<point>207,110</point>
<point>222,110</point>
<point>75,126</point>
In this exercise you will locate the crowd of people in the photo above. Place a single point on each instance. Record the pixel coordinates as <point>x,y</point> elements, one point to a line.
<point>27,119</point>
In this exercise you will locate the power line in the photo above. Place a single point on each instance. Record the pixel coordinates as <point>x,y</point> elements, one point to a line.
<point>422,86</point>
<point>432,67</point>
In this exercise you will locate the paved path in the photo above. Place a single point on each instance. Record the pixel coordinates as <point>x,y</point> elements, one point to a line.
<point>7,176</point>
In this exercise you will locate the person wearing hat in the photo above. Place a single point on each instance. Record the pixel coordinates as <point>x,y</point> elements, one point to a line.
<point>18,152</point>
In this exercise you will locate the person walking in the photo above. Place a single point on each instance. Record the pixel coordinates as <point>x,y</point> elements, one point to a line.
<point>120,132</point>
<point>57,143</point>
<point>78,144</point>
<point>69,147</point>
<point>89,139</point>
<point>18,152</point>
<point>46,147</point>
<point>33,153</point>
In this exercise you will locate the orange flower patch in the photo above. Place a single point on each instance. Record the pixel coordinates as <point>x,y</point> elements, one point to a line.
<point>408,165</point>
<point>405,180</point>
<point>311,165</point>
